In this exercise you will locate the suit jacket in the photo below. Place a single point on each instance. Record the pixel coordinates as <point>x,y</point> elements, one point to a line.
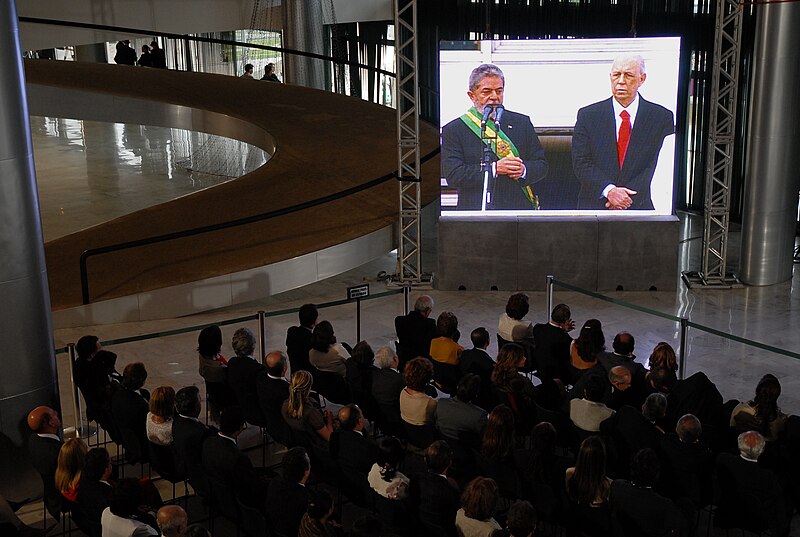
<point>225,463</point>
<point>645,511</point>
<point>552,350</point>
<point>298,343</point>
<point>129,410</point>
<point>187,440</point>
<point>630,431</point>
<point>695,395</point>
<point>478,362</point>
<point>610,360</point>
<point>414,334</point>
<point>386,387</point>
<point>594,152</point>
<point>287,502</point>
<point>93,498</point>
<point>271,395</point>
<point>462,152</point>
<point>437,500</point>
<point>242,374</point>
<point>461,421</point>
<point>686,469</point>
<point>353,452</point>
<point>44,457</point>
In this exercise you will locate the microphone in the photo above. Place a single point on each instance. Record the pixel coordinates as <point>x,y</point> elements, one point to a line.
<point>487,111</point>
<point>498,114</point>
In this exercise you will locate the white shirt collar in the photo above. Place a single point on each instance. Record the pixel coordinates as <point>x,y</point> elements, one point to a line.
<point>393,369</point>
<point>274,377</point>
<point>748,459</point>
<point>229,438</point>
<point>632,109</point>
<point>189,418</point>
<point>359,432</point>
<point>48,435</point>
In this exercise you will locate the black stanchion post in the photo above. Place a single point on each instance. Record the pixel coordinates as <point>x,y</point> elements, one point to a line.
<point>682,352</point>
<point>262,335</point>
<point>358,320</point>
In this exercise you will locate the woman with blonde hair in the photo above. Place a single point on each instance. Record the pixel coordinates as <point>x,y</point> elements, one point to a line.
<point>302,414</point>
<point>159,418</point>
<point>71,460</point>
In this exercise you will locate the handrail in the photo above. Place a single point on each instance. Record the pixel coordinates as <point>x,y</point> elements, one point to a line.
<point>170,35</point>
<point>232,223</point>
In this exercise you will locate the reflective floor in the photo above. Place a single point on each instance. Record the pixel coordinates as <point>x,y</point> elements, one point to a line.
<point>89,172</point>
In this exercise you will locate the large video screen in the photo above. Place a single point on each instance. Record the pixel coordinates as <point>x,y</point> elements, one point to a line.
<point>558,127</point>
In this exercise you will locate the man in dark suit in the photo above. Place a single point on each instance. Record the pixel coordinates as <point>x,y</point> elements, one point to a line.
<point>298,338</point>
<point>458,418</point>
<point>626,389</point>
<point>43,447</point>
<point>387,383</point>
<point>616,142</point>
<point>478,362</point>
<point>434,495</point>
<point>688,463</point>
<point>354,453</point>
<point>129,405</point>
<point>416,330</point>
<point>696,395</point>
<point>224,463</point>
<point>552,342</point>
<point>95,491</point>
<point>630,430</point>
<point>273,389</point>
<point>622,355</point>
<point>287,496</point>
<point>188,432</point>
<point>243,370</point>
<point>517,156</point>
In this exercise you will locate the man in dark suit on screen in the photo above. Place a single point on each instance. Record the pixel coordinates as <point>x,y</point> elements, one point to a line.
<point>616,142</point>
<point>518,157</point>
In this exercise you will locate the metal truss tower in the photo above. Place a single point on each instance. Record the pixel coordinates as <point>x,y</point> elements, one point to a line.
<point>409,258</point>
<point>719,157</point>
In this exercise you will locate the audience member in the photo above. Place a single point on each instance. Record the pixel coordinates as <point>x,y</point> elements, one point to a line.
<point>188,432</point>
<point>287,496</point>
<point>384,478</point>
<point>511,327</point>
<point>622,355</point>
<point>360,369</point>
<point>478,503</point>
<point>626,389</point>
<point>91,377</point>
<point>585,350</point>
<point>146,59</point>
<point>687,462</point>
<point>159,419</point>
<point>326,354</point>
<point>209,347</point>
<point>416,406</point>
<point>318,521</point>
<point>516,390</point>
<point>478,362</point>
<point>71,460</point>
<point>663,356</point>
<point>44,445</point>
<point>124,517</point>
<point>444,348</point>
<point>416,330</point>
<point>387,384</point>
<point>248,71</point>
<point>95,491</point>
<point>521,521</point>
<point>631,430</point>
<point>305,418</point>
<point>269,73</point>
<point>129,405</point>
<point>762,414</point>
<point>542,471</point>
<point>496,458</point>
<point>434,495</point>
<point>552,343</point>
<point>172,520</point>
<point>693,395</point>
<point>157,55</point>
<point>588,489</point>
<point>243,370</point>
<point>588,412</point>
<point>298,338</point>
<point>458,418</point>
<point>273,389</point>
<point>354,453</point>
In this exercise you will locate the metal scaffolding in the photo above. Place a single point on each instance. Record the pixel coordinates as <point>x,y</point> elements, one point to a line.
<point>719,157</point>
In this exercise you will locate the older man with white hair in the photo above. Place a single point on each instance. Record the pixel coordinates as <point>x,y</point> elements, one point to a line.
<point>416,330</point>
<point>387,383</point>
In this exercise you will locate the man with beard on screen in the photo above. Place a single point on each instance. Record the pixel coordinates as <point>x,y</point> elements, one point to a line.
<point>517,157</point>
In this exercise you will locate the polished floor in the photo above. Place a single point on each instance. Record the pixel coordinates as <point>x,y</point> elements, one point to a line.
<point>89,172</point>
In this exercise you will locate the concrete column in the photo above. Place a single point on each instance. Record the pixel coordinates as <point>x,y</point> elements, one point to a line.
<point>28,363</point>
<point>772,177</point>
<point>303,29</point>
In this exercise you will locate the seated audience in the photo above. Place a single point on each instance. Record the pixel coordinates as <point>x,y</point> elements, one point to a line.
<point>287,496</point>
<point>588,489</point>
<point>243,371</point>
<point>588,412</point>
<point>384,478</point>
<point>542,471</point>
<point>416,330</point>
<point>517,390</point>
<point>71,461</point>
<point>688,463</point>
<point>663,357</point>
<point>91,377</point>
<point>626,389</point>
<point>129,405</point>
<point>434,495</point>
<point>622,355</point>
<point>305,418</point>
<point>693,395</point>
<point>477,361</point>
<point>417,407</point>
<point>172,521</point>
<point>44,445</point>
<point>273,389</point>
<point>511,327</point>
<point>457,418</point>
<point>298,338</point>
<point>213,369</point>
<point>326,354</point>
<point>318,521</point>
<point>95,492</point>
<point>188,432</point>
<point>762,414</point>
<point>553,342</point>
<point>444,348</point>
<point>387,384</point>
<point>354,452</point>
<point>521,521</point>
<point>631,430</point>
<point>496,458</point>
<point>159,419</point>
<point>478,503</point>
<point>124,516</point>
<point>360,368</point>
<point>585,350</point>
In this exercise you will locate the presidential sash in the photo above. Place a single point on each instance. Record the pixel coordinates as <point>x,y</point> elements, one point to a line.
<point>500,144</point>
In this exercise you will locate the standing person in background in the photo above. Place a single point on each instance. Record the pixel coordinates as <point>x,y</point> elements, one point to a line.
<point>158,56</point>
<point>146,59</point>
<point>125,54</point>
<point>248,71</point>
<point>269,73</point>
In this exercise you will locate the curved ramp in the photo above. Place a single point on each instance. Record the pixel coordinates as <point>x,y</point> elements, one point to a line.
<point>323,144</point>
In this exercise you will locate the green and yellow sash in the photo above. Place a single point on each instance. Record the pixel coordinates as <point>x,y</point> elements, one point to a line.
<point>500,144</point>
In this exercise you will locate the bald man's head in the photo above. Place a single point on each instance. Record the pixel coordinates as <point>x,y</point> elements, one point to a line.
<point>620,377</point>
<point>276,364</point>
<point>172,520</point>
<point>44,420</point>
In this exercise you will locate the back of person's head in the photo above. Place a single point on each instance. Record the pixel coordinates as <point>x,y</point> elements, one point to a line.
<point>663,379</point>
<point>308,315</point>
<point>384,357</point>
<point>162,402</point>
<point>543,438</point>
<point>248,68</point>
<point>418,373</point>
<point>70,464</point>
<point>480,498</point>
<point>390,453</point>
<point>623,343</point>
<point>107,360</point>
<point>362,355</point>
<point>766,400</point>
<point>751,445</point>
<point>276,363</point>
<point>197,530</point>
<point>509,360</point>
<point>689,429</point>
<point>323,337</point>
<point>468,387</point>
<point>447,324</point>
<point>295,464</point>
<point>645,468</point>
<point>86,346</point>
<point>231,420</point>
<point>299,388</point>
<point>479,338</point>
<point>591,340</point>
<point>561,314</point>
<point>521,519</point>
<point>320,504</point>
<point>126,498</point>
<point>349,415</point>
<point>96,464</point>
<point>438,457</point>
<point>620,376</point>
<point>589,479</point>
<point>367,526</point>
<point>209,341</point>
<point>655,407</point>
<point>663,356</point>
<point>187,401</point>
<point>172,520</point>
<point>423,304</point>
<point>595,388</point>
<point>498,436</point>
<point>133,376</point>
<point>517,306</point>
<point>243,342</point>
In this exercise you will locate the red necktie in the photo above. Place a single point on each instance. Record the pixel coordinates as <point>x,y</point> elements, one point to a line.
<point>624,136</point>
